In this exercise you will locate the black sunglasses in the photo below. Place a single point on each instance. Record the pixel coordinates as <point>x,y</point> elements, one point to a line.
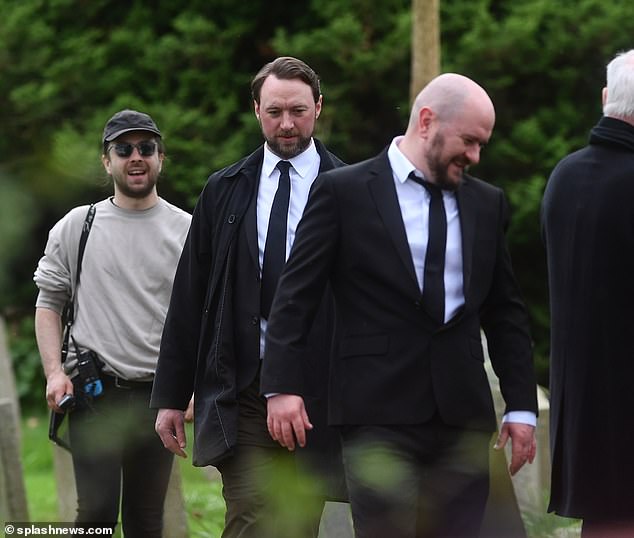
<point>125,149</point>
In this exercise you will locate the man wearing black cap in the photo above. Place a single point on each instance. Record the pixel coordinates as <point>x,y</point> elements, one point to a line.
<point>127,270</point>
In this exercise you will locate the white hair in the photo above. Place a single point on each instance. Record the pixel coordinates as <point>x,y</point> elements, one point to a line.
<point>620,86</point>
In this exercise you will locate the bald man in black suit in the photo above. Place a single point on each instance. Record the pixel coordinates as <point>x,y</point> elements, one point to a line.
<point>415,251</point>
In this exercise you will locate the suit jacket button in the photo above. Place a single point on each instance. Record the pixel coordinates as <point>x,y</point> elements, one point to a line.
<point>255,320</point>
<point>418,305</point>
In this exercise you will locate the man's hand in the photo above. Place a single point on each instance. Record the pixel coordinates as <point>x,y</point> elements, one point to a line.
<point>170,426</point>
<point>523,444</point>
<point>57,385</point>
<point>287,420</point>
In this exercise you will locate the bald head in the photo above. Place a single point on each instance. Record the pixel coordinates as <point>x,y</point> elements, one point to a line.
<point>452,119</point>
<point>447,95</point>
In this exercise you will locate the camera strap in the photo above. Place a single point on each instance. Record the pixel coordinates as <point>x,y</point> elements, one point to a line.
<point>68,316</point>
<point>69,309</point>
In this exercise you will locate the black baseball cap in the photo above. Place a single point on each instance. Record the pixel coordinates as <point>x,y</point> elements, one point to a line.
<point>128,120</point>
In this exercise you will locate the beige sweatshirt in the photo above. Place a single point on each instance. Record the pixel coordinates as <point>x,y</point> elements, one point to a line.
<point>125,285</point>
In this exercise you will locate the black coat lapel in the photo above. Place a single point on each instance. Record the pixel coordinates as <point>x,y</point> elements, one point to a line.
<point>252,171</point>
<point>468,226</point>
<point>383,192</point>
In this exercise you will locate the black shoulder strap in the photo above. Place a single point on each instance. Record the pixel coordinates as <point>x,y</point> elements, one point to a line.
<point>69,311</point>
<point>82,241</point>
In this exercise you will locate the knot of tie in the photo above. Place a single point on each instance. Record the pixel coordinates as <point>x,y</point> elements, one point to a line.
<point>432,189</point>
<point>283,167</point>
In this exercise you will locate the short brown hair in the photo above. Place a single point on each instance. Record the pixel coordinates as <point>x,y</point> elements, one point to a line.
<point>286,68</point>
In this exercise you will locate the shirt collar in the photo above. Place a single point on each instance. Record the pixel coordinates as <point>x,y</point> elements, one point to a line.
<point>301,163</point>
<point>401,166</point>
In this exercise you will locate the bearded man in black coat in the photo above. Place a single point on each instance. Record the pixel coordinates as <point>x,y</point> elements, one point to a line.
<point>242,229</point>
<point>588,228</point>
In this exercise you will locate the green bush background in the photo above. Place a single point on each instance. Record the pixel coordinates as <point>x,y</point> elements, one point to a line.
<point>67,65</point>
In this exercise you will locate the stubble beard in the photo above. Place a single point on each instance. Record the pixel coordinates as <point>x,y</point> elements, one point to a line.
<point>439,168</point>
<point>286,151</point>
<point>137,192</point>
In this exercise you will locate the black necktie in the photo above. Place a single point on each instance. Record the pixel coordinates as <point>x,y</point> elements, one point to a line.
<point>275,248</point>
<point>434,279</point>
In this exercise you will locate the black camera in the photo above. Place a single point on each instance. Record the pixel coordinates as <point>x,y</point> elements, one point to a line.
<point>88,366</point>
<point>67,402</point>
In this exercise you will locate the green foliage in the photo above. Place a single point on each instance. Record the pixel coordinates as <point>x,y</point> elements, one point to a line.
<point>361,50</point>
<point>68,65</point>
<point>543,64</point>
<point>27,368</point>
<point>37,466</point>
<point>16,227</point>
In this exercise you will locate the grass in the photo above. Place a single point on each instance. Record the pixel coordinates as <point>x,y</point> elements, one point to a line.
<point>551,526</point>
<point>202,495</point>
<point>37,465</point>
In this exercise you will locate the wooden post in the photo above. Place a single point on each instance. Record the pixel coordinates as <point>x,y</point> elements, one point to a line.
<point>425,44</point>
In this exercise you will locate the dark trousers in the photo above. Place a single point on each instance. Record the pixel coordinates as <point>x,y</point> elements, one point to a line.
<point>265,493</point>
<point>119,459</point>
<point>416,481</point>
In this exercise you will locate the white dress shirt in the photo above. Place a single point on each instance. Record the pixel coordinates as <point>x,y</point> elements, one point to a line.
<point>303,171</point>
<point>414,199</point>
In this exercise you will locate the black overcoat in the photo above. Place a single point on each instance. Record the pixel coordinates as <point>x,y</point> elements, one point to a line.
<point>210,343</point>
<point>588,228</point>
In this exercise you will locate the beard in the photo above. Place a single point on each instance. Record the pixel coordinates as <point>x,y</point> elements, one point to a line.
<point>439,166</point>
<point>285,150</point>
<point>136,191</point>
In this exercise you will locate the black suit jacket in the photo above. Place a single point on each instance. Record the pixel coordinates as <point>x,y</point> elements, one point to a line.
<point>210,343</point>
<point>394,364</point>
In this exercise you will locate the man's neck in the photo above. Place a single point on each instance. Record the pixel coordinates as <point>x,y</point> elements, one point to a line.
<point>137,204</point>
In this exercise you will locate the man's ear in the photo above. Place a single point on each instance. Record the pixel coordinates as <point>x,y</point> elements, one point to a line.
<point>318,106</point>
<point>105,160</point>
<point>256,109</point>
<point>426,118</point>
<point>604,96</point>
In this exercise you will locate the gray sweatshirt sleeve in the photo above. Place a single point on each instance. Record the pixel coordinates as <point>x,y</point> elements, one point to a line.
<point>55,272</point>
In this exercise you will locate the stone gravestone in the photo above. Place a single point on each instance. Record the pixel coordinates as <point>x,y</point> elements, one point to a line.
<point>175,517</point>
<point>522,497</point>
<point>336,521</point>
<point>13,505</point>
<point>7,379</point>
<point>65,483</point>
